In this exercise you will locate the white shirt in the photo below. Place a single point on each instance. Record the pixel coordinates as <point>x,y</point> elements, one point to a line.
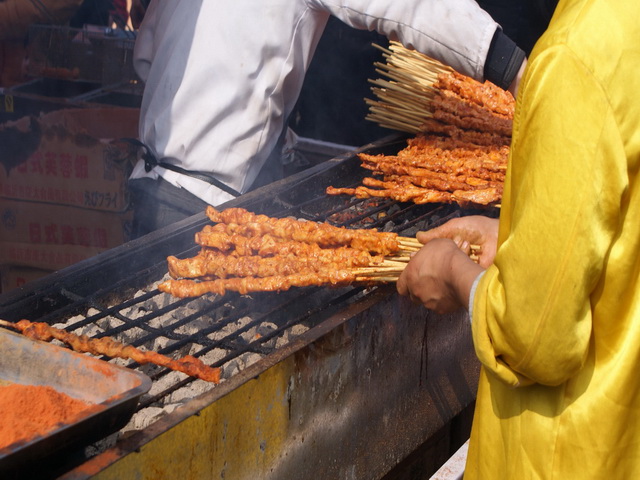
<point>221,77</point>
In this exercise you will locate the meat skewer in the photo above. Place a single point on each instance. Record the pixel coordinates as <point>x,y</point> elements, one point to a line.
<point>400,193</point>
<point>244,285</point>
<point>392,165</point>
<point>484,94</point>
<point>112,348</point>
<point>480,196</point>
<point>456,183</point>
<point>333,277</point>
<point>455,104</point>
<point>266,245</point>
<point>242,222</point>
<point>425,141</point>
<point>419,195</point>
<point>421,90</point>
<point>479,138</point>
<point>213,263</point>
<point>433,169</point>
<point>227,261</point>
<point>435,149</point>
<point>487,126</point>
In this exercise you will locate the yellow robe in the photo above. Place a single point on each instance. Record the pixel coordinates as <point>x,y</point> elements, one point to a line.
<point>556,319</point>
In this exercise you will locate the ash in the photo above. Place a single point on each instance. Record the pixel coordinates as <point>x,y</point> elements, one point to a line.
<point>231,334</point>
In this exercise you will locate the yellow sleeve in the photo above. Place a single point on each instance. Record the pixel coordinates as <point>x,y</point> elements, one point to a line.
<point>560,209</point>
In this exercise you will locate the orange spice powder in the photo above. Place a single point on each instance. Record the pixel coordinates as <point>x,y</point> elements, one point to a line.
<point>29,411</point>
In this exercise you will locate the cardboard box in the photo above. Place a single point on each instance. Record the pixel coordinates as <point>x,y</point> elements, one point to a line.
<point>43,256</point>
<point>51,237</point>
<point>12,276</point>
<point>70,157</point>
<point>48,224</point>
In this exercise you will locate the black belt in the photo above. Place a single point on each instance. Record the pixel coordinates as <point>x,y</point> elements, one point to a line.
<point>151,161</point>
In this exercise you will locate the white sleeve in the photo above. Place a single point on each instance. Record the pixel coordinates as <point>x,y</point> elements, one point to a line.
<point>472,294</point>
<point>456,32</point>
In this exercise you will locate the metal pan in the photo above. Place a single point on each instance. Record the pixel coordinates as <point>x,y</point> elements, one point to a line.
<point>30,362</point>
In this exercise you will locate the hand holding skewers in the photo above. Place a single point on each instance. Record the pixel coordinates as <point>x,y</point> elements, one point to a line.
<point>441,274</point>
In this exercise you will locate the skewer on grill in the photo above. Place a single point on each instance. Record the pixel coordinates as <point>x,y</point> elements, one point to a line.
<point>388,272</point>
<point>112,348</point>
<point>183,288</point>
<point>290,253</point>
<point>242,222</point>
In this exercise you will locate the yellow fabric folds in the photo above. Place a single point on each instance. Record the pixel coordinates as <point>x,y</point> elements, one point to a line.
<point>556,319</point>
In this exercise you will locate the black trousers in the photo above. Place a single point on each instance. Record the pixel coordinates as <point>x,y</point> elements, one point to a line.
<point>158,203</point>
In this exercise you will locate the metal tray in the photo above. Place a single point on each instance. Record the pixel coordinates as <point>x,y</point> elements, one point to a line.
<point>118,389</point>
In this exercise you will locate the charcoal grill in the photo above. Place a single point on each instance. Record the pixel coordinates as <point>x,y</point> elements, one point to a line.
<point>318,382</point>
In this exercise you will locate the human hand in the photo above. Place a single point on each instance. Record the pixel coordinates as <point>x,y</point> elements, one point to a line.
<point>466,231</point>
<point>439,276</point>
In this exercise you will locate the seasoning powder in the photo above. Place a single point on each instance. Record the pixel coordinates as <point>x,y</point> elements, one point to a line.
<point>29,411</point>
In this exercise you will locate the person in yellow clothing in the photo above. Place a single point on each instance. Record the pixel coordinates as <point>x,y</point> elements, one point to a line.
<point>555,302</point>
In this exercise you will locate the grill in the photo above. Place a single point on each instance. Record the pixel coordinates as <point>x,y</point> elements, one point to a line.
<point>318,382</point>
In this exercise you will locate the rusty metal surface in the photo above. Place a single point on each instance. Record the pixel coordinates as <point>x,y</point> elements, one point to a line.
<point>348,400</point>
<point>374,389</point>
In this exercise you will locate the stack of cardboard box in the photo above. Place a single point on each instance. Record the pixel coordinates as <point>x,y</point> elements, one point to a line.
<point>63,195</point>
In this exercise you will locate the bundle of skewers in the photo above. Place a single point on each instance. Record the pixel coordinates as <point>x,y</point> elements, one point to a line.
<point>463,131</point>
<point>111,348</point>
<point>245,252</point>
<point>433,169</point>
<point>405,95</point>
<point>421,95</point>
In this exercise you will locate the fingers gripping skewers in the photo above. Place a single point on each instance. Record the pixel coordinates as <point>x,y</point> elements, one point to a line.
<point>111,348</point>
<point>245,252</point>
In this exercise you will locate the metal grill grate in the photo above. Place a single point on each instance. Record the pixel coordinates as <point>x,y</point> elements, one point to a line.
<point>117,296</point>
<point>229,332</point>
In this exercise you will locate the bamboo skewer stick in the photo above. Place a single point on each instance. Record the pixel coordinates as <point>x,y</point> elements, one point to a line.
<point>398,88</point>
<point>403,112</point>
<point>379,279</point>
<point>394,124</point>
<point>409,240</point>
<point>411,76</point>
<point>403,258</point>
<point>398,116</point>
<point>393,266</point>
<point>393,263</point>
<point>371,274</point>
<point>5,323</point>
